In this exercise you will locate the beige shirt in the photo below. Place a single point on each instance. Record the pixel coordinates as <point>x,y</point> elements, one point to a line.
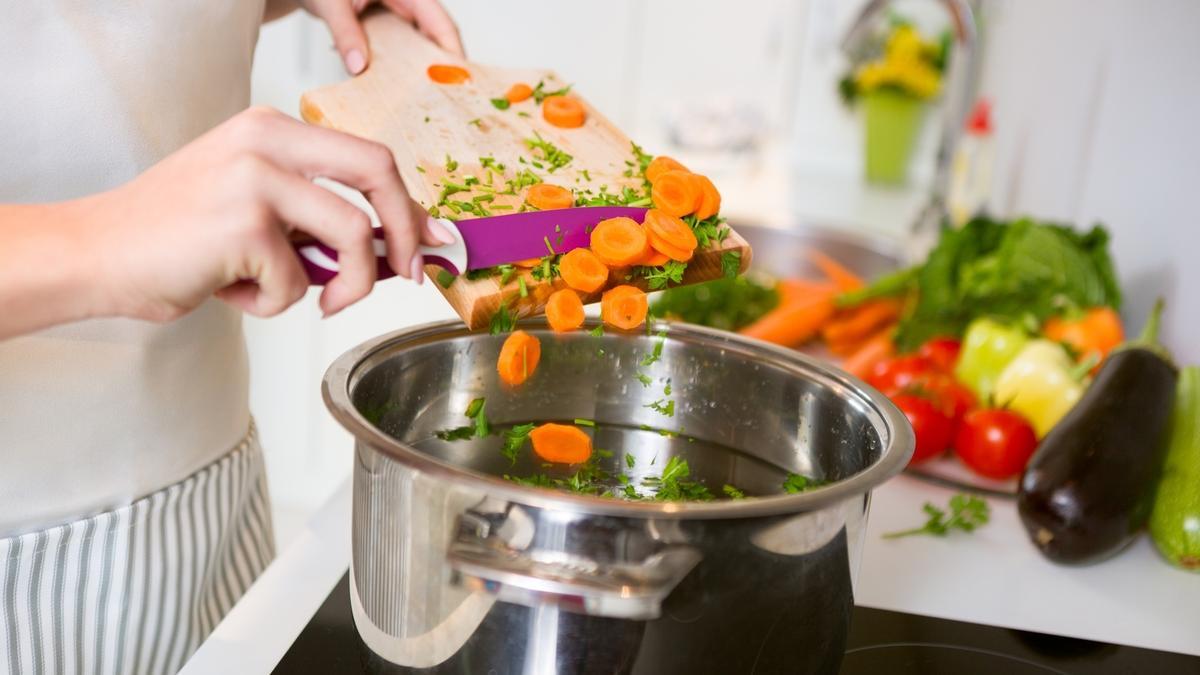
<point>96,414</point>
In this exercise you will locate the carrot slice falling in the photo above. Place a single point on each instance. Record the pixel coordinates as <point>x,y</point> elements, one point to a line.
<point>582,270</point>
<point>564,111</point>
<point>838,273</point>
<point>618,242</point>
<point>676,193</point>
<point>518,358</point>
<point>624,307</point>
<point>561,443</point>
<point>670,230</point>
<point>710,199</point>
<point>518,92</point>
<point>444,73</point>
<point>564,310</point>
<point>546,196</point>
<point>660,165</point>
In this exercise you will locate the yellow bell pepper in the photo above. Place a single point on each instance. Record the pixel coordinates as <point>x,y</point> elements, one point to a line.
<point>1040,383</point>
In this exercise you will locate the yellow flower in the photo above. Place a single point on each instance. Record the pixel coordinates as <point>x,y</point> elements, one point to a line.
<point>904,44</point>
<point>903,66</point>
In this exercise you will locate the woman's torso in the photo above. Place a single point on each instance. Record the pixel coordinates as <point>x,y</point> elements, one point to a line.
<point>96,414</point>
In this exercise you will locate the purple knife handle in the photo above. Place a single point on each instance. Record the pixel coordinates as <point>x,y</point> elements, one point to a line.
<point>321,262</point>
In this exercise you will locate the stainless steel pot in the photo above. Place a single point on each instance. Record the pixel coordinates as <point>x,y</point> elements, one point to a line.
<point>456,570</point>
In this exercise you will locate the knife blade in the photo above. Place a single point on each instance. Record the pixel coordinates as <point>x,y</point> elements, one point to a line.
<point>479,242</point>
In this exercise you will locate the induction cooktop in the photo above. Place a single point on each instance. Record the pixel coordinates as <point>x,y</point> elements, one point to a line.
<point>880,642</point>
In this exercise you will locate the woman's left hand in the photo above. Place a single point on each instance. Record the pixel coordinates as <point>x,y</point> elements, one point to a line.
<point>342,17</point>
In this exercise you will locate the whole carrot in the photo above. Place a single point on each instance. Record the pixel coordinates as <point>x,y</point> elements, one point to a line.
<point>855,324</point>
<point>838,273</point>
<point>794,322</point>
<point>874,350</point>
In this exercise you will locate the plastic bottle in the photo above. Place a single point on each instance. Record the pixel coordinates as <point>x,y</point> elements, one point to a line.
<point>971,171</point>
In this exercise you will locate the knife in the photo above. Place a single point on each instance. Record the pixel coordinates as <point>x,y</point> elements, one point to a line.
<point>479,242</point>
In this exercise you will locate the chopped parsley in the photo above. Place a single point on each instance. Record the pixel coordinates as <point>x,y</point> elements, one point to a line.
<point>540,93</point>
<point>796,483</point>
<point>445,278</point>
<point>501,103</point>
<point>630,460</point>
<point>659,277</point>
<point>644,379</point>
<point>731,264</point>
<point>586,423</point>
<point>514,440</point>
<point>502,321</point>
<point>551,154</point>
<point>477,123</point>
<point>451,165</point>
<point>662,407</point>
<point>655,355</point>
<point>597,331</point>
<point>732,492</point>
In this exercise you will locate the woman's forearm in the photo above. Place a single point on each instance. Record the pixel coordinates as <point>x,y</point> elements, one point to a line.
<point>45,274</point>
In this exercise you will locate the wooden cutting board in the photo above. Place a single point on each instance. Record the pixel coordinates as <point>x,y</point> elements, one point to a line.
<point>431,127</point>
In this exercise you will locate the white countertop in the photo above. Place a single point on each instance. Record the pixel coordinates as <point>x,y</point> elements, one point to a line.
<point>992,577</point>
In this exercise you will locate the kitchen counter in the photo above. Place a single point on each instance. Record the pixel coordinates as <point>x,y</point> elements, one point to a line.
<point>992,576</point>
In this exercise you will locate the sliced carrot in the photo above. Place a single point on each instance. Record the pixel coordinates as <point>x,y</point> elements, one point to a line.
<point>582,270</point>
<point>518,92</point>
<point>660,165</point>
<point>838,273</point>
<point>564,310</point>
<point>623,307</point>
<point>561,443</point>
<point>876,349</point>
<point>518,358</point>
<point>793,323</point>
<point>855,324</point>
<point>564,111</point>
<point>710,199</point>
<point>671,230</point>
<point>676,193</point>
<point>680,254</point>
<point>654,258</point>
<point>528,263</point>
<point>443,73</point>
<point>618,242</point>
<point>546,196</point>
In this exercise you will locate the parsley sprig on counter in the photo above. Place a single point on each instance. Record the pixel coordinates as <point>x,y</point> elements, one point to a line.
<point>967,513</point>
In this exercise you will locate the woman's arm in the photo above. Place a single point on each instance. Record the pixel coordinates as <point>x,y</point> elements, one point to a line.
<point>215,217</point>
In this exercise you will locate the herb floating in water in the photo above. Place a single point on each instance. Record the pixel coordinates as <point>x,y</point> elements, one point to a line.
<point>732,492</point>
<point>514,440</point>
<point>967,512</point>
<point>480,428</point>
<point>796,483</point>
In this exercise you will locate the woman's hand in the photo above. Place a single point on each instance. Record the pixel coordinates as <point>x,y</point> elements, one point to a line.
<point>219,215</point>
<point>342,18</point>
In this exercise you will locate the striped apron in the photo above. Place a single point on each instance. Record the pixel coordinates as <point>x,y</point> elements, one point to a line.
<point>135,590</point>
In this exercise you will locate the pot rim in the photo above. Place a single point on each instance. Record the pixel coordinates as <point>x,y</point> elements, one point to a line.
<point>897,435</point>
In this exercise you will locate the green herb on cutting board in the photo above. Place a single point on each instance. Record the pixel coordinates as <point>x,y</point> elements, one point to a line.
<point>540,93</point>
<point>550,153</point>
<point>967,513</point>
<point>500,103</point>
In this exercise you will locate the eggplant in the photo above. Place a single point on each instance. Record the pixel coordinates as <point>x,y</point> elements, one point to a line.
<point>1090,485</point>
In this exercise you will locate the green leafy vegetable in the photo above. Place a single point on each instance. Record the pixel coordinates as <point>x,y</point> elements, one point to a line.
<point>500,103</point>
<point>796,483</point>
<point>475,411</point>
<point>728,304</point>
<point>659,277</point>
<point>662,407</point>
<point>598,331</point>
<point>644,379</point>
<point>502,321</point>
<point>630,460</point>
<point>967,513</point>
<point>585,422</point>
<point>540,93</point>
<point>732,492</point>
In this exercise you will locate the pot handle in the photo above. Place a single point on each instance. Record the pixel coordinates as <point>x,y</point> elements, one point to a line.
<point>484,561</point>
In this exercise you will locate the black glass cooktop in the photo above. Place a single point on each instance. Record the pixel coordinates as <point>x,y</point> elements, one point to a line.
<point>879,642</point>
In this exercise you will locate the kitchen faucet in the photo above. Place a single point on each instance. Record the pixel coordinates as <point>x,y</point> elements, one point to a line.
<point>959,93</point>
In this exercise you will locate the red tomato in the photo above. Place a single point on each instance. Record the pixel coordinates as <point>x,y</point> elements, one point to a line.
<point>942,352</point>
<point>995,443</point>
<point>898,373</point>
<point>933,428</point>
<point>954,398</point>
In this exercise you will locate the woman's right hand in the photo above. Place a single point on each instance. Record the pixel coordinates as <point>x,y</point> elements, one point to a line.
<point>218,216</point>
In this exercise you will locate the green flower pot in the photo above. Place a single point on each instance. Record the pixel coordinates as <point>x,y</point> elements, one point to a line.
<point>893,123</point>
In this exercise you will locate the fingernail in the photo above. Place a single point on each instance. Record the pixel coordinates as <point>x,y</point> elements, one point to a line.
<point>418,269</point>
<point>440,232</point>
<point>355,61</point>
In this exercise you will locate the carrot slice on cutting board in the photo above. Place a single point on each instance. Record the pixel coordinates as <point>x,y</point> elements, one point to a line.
<point>672,252</point>
<point>561,443</point>
<point>528,263</point>
<point>660,165</point>
<point>582,270</point>
<point>624,307</point>
<point>654,258</point>
<point>444,73</point>
<point>518,92</point>
<point>518,358</point>
<point>676,193</point>
<point>619,242</point>
<point>710,199</point>
<point>671,230</point>
<point>564,310</point>
<point>564,111</point>
<point>546,196</point>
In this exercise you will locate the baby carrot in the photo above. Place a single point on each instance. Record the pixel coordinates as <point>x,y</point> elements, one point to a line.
<point>835,271</point>
<point>793,323</point>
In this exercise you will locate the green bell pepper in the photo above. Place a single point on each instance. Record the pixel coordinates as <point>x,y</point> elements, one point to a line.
<point>1042,383</point>
<point>987,348</point>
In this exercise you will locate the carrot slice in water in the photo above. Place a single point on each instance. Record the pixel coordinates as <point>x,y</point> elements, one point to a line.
<point>660,165</point>
<point>564,111</point>
<point>672,252</point>
<point>842,277</point>
<point>546,196</point>
<point>670,230</point>
<point>624,307</point>
<point>564,310</point>
<point>710,199</point>
<point>518,92</point>
<point>518,358</point>
<point>582,270</point>
<point>561,443</point>
<point>676,193</point>
<point>444,73</point>
<point>618,242</point>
